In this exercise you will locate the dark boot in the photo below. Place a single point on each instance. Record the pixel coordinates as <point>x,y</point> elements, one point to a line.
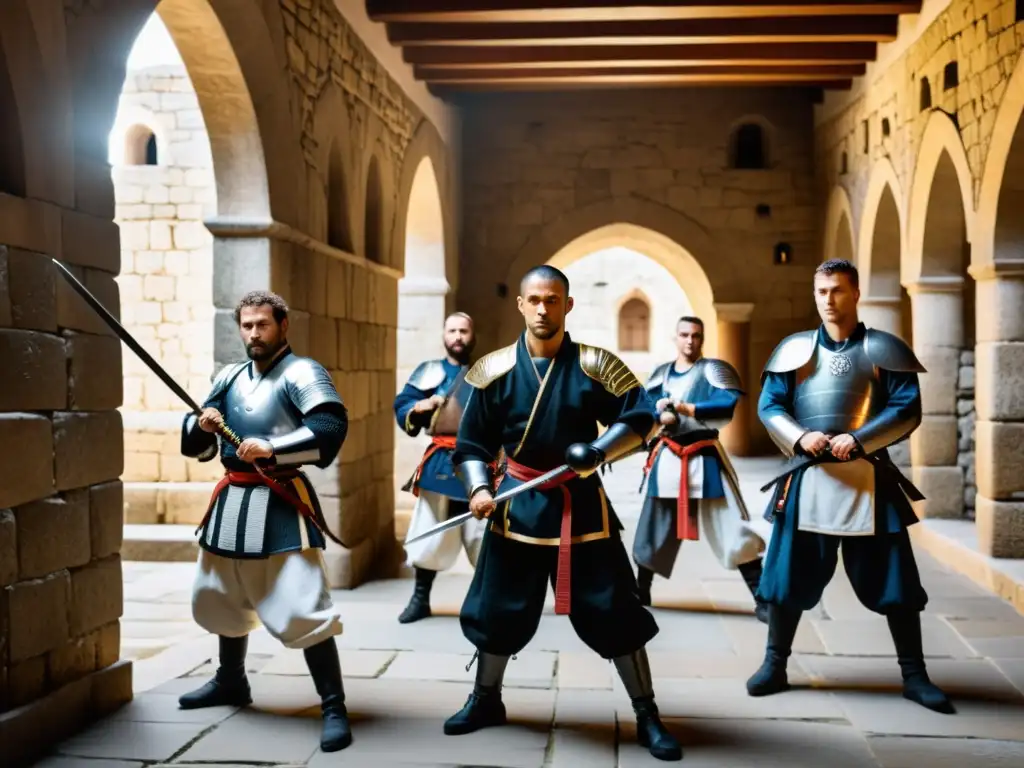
<point>419,604</point>
<point>905,627</point>
<point>751,573</point>
<point>484,707</point>
<point>644,579</point>
<point>325,668</point>
<point>635,672</point>
<point>229,686</point>
<point>771,677</point>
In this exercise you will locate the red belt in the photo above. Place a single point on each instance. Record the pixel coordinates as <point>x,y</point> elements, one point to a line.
<point>273,483</point>
<point>687,527</point>
<point>563,577</point>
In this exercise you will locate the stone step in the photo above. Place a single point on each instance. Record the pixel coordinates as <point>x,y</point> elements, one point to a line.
<point>174,503</point>
<point>160,543</point>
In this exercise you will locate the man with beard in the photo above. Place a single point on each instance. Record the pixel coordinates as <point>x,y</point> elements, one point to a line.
<point>540,401</point>
<point>439,491</point>
<point>835,399</point>
<point>691,484</point>
<point>260,542</point>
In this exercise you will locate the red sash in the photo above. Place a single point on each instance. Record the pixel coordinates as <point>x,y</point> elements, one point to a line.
<point>563,577</point>
<point>275,484</point>
<point>687,524</point>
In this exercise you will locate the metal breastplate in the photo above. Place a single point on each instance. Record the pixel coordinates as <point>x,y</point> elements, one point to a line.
<point>687,388</point>
<point>259,406</point>
<point>837,392</point>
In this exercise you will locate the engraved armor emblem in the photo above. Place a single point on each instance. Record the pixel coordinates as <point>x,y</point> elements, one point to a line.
<point>840,365</point>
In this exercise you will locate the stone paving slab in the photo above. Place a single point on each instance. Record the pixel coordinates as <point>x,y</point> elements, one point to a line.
<point>903,752</point>
<point>567,707</point>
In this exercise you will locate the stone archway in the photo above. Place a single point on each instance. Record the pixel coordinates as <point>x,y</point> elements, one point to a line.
<point>883,304</point>
<point>422,295</point>
<point>998,269</point>
<point>839,240</point>
<point>657,234</point>
<point>940,225</point>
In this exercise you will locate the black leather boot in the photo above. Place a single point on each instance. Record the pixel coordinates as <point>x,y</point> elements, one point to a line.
<point>229,686</point>
<point>905,627</point>
<point>484,707</point>
<point>325,668</point>
<point>419,604</point>
<point>771,677</point>
<point>751,573</point>
<point>635,671</point>
<point>644,579</point>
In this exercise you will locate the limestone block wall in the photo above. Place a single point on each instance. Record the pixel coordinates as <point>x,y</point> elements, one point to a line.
<point>533,164</point>
<point>166,278</point>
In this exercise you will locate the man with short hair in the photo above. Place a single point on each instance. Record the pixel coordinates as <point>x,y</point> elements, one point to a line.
<point>691,484</point>
<point>433,399</point>
<point>260,542</point>
<point>834,399</point>
<point>540,401</point>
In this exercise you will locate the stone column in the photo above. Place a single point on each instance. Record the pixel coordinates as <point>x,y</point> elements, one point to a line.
<point>882,313</point>
<point>999,405</point>
<point>734,348</point>
<point>421,313</point>
<point>937,306</point>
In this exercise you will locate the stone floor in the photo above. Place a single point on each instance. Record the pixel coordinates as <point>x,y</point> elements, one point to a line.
<point>567,708</point>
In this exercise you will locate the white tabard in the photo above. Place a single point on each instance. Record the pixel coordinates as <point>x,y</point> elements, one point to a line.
<point>838,499</point>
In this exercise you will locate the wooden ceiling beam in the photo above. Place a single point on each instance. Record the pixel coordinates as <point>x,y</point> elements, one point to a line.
<point>779,30</point>
<point>449,91</point>
<point>644,74</point>
<point>612,10</point>
<point>515,56</point>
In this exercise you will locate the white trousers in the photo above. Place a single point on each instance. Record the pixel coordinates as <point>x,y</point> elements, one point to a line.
<point>438,553</point>
<point>288,593</point>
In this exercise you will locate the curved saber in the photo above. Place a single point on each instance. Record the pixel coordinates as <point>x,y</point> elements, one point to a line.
<point>555,474</point>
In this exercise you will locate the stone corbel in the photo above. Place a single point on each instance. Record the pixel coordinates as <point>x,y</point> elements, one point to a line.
<point>734,312</point>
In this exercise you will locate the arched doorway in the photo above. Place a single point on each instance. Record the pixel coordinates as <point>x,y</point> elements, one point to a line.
<point>422,295</point>
<point>839,242</point>
<point>998,267</point>
<point>942,296</point>
<point>627,303</point>
<point>164,189</point>
<point>726,325</point>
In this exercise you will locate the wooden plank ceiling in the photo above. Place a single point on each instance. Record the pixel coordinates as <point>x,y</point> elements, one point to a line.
<point>502,45</point>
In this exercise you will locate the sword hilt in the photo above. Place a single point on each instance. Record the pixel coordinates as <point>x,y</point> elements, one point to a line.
<point>230,436</point>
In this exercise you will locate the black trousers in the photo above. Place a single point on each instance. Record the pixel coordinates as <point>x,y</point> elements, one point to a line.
<point>505,601</point>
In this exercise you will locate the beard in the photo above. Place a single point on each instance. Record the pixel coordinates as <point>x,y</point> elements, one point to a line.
<point>263,352</point>
<point>460,352</point>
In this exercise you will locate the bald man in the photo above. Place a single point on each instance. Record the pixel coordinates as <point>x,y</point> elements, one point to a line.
<point>433,400</point>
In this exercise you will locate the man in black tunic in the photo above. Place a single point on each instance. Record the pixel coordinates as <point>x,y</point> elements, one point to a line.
<point>541,399</point>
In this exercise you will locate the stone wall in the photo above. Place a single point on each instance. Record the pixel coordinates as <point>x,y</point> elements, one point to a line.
<point>166,281</point>
<point>965,429</point>
<point>983,41</point>
<point>533,161</point>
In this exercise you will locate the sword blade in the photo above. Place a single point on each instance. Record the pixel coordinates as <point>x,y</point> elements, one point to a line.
<point>126,337</point>
<point>458,520</point>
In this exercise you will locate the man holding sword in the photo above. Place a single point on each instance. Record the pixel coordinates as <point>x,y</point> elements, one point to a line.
<point>540,400</point>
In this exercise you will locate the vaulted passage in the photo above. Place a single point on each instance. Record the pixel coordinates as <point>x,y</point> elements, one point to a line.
<point>381,165</point>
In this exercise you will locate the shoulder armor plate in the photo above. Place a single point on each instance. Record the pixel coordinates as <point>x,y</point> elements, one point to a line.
<point>890,352</point>
<point>792,352</point>
<point>601,365</point>
<point>492,366</point>
<point>657,377</point>
<point>428,375</point>
<point>721,375</point>
<point>220,379</point>
<point>310,384</point>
